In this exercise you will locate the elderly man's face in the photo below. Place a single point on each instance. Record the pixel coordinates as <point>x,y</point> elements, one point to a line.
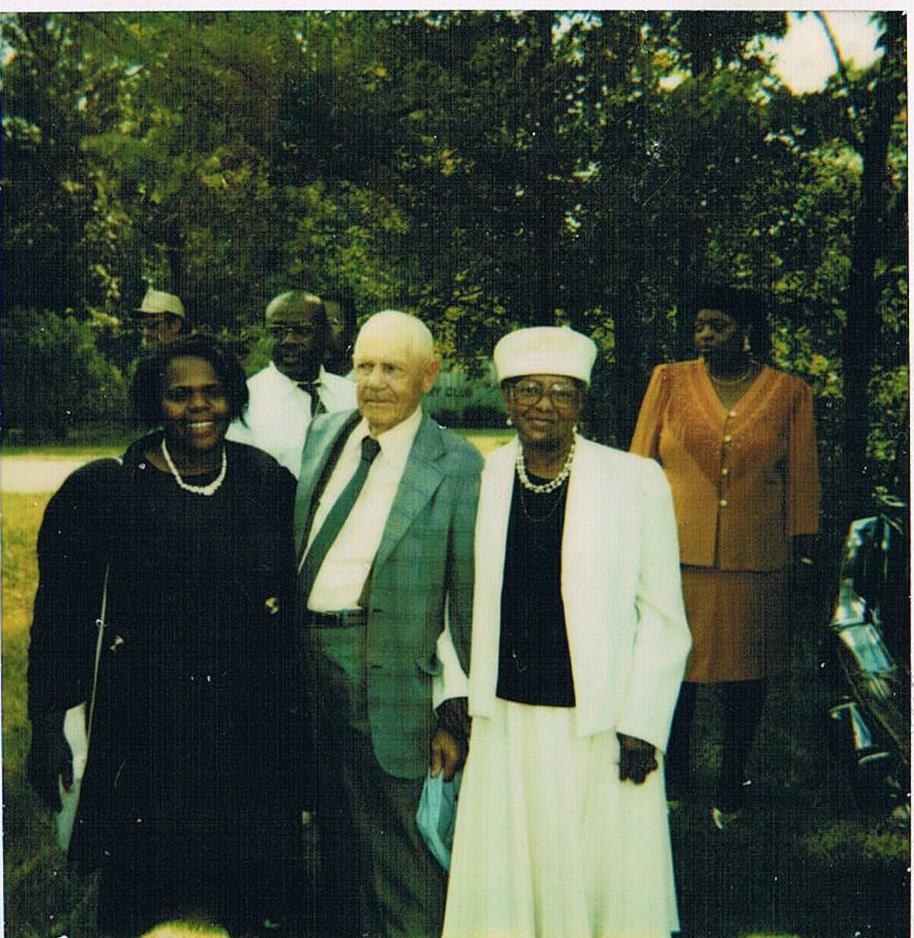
<point>390,379</point>
<point>298,332</point>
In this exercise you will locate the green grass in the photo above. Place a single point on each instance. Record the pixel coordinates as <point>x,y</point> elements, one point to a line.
<point>41,897</point>
<point>63,451</point>
<point>802,864</point>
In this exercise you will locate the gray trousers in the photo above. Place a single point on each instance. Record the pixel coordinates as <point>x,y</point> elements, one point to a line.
<point>377,876</point>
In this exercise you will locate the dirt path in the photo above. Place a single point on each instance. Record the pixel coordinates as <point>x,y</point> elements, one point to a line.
<point>30,474</point>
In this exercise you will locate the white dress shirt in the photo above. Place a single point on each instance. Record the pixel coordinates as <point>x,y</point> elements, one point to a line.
<point>345,569</point>
<point>279,412</point>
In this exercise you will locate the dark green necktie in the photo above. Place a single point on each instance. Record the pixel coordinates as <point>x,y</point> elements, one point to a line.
<point>335,520</point>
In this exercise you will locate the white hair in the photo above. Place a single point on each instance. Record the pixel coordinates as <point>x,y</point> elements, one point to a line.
<point>182,929</point>
<point>390,326</point>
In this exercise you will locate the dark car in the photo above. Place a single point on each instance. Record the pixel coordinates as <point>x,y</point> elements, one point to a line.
<point>870,657</point>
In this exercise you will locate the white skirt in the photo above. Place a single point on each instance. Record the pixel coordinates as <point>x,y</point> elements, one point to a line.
<point>549,843</point>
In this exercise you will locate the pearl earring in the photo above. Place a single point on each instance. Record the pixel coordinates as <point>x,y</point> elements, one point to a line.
<point>509,421</point>
<point>747,345</point>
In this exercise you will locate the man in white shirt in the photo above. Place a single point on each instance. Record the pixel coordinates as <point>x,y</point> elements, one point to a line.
<point>294,387</point>
<point>384,521</point>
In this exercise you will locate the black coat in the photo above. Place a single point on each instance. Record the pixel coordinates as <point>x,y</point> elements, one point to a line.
<point>198,718</point>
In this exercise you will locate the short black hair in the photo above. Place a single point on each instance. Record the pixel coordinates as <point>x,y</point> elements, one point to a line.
<point>304,298</point>
<point>150,376</point>
<point>749,308</point>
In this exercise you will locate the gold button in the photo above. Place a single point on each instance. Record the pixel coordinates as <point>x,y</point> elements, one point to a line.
<point>732,413</point>
<point>725,472</point>
<point>723,503</point>
<point>727,438</point>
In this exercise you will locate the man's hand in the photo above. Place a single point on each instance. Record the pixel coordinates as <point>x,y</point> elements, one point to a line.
<point>637,759</point>
<point>448,754</point>
<point>49,758</point>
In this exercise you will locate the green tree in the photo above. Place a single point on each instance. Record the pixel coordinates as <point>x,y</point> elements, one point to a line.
<point>54,377</point>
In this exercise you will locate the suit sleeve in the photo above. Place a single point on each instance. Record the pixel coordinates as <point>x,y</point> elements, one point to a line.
<point>646,438</point>
<point>453,680</point>
<point>662,639</point>
<point>802,468</point>
<point>454,641</point>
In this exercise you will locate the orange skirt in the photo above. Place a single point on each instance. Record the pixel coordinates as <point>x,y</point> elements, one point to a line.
<point>740,623</point>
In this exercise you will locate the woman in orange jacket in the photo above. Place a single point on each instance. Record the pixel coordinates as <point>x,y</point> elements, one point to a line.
<point>736,439</point>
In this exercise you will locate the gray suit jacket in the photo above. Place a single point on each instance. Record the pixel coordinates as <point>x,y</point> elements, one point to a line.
<point>425,560</point>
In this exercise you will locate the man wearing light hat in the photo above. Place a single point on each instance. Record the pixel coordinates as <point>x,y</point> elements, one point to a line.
<point>579,642</point>
<point>159,318</point>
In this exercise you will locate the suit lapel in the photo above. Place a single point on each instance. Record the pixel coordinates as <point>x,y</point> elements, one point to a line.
<point>421,477</point>
<point>320,442</point>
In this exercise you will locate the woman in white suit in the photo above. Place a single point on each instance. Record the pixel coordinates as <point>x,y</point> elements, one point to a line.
<point>578,648</point>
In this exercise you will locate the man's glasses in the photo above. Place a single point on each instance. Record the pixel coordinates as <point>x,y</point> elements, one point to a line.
<point>529,393</point>
<point>280,330</point>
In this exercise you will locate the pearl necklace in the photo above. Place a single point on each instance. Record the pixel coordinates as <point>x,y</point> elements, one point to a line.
<point>210,489</point>
<point>552,484</point>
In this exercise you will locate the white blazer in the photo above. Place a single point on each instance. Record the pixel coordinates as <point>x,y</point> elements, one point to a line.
<point>627,631</point>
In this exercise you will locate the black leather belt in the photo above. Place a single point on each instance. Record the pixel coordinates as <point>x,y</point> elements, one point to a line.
<point>337,620</point>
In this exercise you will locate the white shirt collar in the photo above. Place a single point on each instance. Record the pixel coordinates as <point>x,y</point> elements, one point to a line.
<point>318,381</point>
<point>395,442</point>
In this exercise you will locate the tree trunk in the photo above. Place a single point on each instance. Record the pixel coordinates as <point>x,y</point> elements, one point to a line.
<point>862,295</point>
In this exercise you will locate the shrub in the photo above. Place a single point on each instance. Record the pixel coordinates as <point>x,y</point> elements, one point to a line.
<point>55,378</point>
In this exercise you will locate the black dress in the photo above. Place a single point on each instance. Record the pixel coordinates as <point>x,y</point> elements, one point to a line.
<point>193,789</point>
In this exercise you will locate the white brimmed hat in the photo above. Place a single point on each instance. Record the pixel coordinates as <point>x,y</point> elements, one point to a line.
<point>157,301</point>
<point>545,350</point>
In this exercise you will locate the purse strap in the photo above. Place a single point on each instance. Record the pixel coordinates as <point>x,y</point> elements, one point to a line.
<point>99,640</point>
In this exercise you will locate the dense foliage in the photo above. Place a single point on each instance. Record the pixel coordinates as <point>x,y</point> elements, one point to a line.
<point>481,169</point>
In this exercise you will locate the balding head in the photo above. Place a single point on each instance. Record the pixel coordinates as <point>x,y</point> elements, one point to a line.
<point>391,327</point>
<point>395,365</point>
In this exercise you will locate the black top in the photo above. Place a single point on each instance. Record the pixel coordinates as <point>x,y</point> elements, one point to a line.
<point>534,665</point>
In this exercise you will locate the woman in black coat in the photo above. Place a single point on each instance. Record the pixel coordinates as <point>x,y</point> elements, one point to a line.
<point>191,797</point>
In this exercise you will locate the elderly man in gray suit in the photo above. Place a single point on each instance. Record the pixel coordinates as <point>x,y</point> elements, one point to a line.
<point>384,521</point>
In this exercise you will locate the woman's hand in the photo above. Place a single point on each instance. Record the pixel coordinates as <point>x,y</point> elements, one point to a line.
<point>637,759</point>
<point>49,758</point>
<point>448,754</point>
<point>450,743</point>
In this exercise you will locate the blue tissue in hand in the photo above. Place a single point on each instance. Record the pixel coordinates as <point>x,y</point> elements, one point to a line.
<point>437,814</point>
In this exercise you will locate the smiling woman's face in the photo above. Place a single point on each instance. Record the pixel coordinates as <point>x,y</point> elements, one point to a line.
<point>195,409</point>
<point>544,409</point>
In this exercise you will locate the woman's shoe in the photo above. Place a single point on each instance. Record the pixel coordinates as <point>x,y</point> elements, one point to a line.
<point>723,819</point>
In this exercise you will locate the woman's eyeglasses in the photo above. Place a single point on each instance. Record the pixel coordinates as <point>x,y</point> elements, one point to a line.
<point>529,393</point>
